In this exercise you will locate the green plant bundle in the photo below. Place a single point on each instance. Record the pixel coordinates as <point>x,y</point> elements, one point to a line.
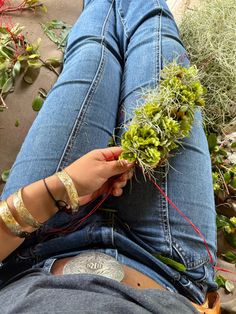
<point>164,119</point>
<point>209,35</point>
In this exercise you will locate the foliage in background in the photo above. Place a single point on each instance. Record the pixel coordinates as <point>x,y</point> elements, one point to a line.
<point>165,118</point>
<point>18,55</point>
<point>228,226</point>
<point>7,7</point>
<point>57,31</point>
<point>224,283</point>
<point>223,167</point>
<point>209,35</point>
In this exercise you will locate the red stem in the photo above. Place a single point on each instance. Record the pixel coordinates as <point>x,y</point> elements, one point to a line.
<point>20,7</point>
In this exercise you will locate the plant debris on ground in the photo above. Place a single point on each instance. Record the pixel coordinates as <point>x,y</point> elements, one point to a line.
<point>57,31</point>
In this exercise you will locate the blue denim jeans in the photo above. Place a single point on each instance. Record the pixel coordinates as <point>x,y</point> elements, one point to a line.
<point>115,50</point>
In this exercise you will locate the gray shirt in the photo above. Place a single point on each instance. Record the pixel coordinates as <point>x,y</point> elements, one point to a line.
<point>39,292</point>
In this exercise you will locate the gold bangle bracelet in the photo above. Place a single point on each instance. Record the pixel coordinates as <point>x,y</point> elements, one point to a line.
<point>70,189</point>
<point>10,221</point>
<point>23,211</point>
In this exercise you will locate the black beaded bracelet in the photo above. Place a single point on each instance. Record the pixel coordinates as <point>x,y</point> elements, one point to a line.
<point>60,204</point>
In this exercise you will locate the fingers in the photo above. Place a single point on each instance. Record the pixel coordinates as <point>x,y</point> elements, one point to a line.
<point>117,192</point>
<point>121,182</point>
<point>110,153</point>
<point>117,167</point>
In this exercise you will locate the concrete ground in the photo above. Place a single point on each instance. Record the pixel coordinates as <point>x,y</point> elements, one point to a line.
<point>19,102</point>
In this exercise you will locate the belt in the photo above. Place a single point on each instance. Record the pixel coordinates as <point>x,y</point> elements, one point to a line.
<point>105,265</point>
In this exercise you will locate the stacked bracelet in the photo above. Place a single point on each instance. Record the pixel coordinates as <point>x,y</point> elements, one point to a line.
<point>70,189</point>
<point>60,204</point>
<point>10,221</point>
<point>23,211</point>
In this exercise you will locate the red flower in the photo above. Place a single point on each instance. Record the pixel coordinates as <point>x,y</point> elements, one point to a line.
<point>2,2</point>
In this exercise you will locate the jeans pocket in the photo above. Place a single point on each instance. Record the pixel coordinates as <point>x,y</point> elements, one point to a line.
<point>199,270</point>
<point>191,257</point>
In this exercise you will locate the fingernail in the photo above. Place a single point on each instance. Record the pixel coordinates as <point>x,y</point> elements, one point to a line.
<point>130,164</point>
<point>123,162</point>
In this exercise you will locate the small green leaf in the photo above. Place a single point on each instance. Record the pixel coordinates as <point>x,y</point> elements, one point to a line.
<point>212,141</point>
<point>53,62</point>
<point>233,182</point>
<point>43,93</point>
<point>7,86</point>
<point>223,152</point>
<point>227,177</point>
<point>3,78</point>
<point>229,256</point>
<point>34,56</point>
<point>220,280</point>
<point>231,239</point>
<point>34,64</point>
<point>29,48</point>
<point>3,30</point>
<point>23,58</point>
<point>219,159</point>
<point>222,221</point>
<point>229,286</point>
<point>111,141</point>
<point>44,8</point>
<point>31,74</point>
<point>233,145</point>
<point>16,69</point>
<point>17,123</point>
<point>4,66</point>
<point>5,175</point>
<point>37,103</point>
<point>170,262</point>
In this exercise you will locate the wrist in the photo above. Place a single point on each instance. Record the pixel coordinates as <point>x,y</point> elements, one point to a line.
<point>38,201</point>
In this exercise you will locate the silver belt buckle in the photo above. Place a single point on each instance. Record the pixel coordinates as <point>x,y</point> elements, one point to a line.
<point>95,263</point>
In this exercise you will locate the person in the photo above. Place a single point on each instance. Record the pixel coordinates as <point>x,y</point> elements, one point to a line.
<point>62,249</point>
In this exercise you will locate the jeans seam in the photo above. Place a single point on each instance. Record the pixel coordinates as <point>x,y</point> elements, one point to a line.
<point>63,160</point>
<point>164,204</point>
<point>165,215</point>
<point>123,23</point>
<point>186,261</point>
<point>158,46</point>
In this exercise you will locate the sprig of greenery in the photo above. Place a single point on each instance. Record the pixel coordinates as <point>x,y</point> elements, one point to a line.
<point>165,118</point>
<point>229,256</point>
<point>24,5</point>
<point>223,169</point>
<point>57,31</point>
<point>228,226</point>
<point>170,262</point>
<point>224,283</point>
<point>17,55</point>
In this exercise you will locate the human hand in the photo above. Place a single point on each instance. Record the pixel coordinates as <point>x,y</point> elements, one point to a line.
<point>99,172</point>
